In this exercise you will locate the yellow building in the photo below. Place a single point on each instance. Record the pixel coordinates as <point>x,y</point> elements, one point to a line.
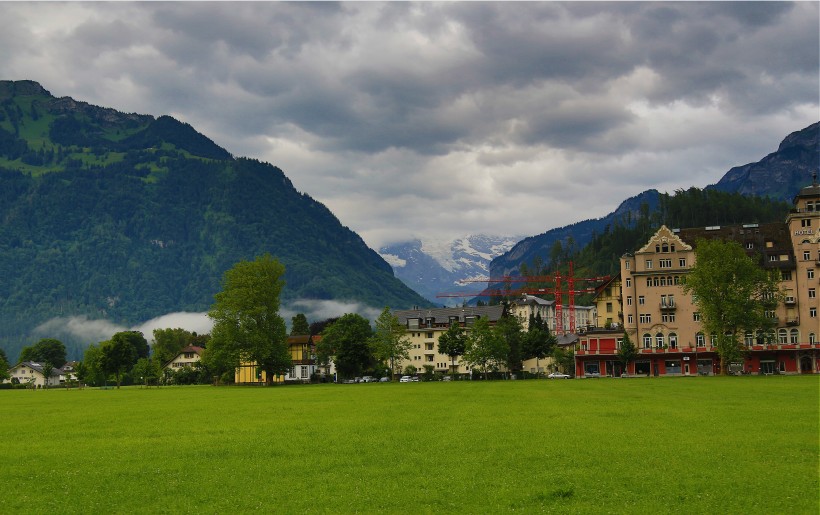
<point>302,351</point>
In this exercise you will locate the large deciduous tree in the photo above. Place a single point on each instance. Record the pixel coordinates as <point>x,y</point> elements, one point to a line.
<point>117,356</point>
<point>47,349</point>
<point>732,294</point>
<point>453,343</point>
<point>390,342</point>
<point>509,330</point>
<point>347,341</point>
<point>485,349</point>
<point>246,315</point>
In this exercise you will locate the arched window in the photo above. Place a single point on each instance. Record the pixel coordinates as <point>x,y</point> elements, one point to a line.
<point>665,248</point>
<point>647,341</point>
<point>663,281</point>
<point>673,341</point>
<point>659,340</point>
<point>657,249</point>
<point>655,281</point>
<point>782,336</point>
<point>794,336</point>
<point>812,338</point>
<point>677,279</point>
<point>700,340</point>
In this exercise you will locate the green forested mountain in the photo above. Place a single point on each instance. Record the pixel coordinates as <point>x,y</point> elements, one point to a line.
<point>127,217</point>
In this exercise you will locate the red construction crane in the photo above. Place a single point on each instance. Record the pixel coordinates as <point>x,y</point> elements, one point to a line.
<point>556,290</point>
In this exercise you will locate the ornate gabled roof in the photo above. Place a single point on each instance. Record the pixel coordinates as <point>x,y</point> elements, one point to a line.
<point>661,236</point>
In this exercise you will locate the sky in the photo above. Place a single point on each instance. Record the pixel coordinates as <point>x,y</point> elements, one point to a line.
<point>412,120</point>
<point>438,120</point>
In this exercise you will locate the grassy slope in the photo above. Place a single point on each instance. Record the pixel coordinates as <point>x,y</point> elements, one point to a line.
<point>739,445</point>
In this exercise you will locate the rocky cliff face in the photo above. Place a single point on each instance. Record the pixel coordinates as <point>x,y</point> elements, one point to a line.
<point>781,174</point>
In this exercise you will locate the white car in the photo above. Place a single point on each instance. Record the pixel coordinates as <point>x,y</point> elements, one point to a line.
<point>404,379</point>
<point>558,375</point>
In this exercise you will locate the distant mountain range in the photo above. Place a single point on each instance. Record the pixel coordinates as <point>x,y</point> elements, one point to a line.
<point>779,175</point>
<point>125,217</point>
<point>432,267</point>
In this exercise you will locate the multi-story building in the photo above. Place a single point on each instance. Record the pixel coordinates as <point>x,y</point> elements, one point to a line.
<point>425,326</point>
<point>530,305</point>
<point>664,323</point>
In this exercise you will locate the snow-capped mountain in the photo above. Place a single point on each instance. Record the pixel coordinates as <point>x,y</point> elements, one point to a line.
<point>431,266</point>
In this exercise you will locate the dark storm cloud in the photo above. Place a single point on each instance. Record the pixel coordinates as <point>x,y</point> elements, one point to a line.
<point>400,115</point>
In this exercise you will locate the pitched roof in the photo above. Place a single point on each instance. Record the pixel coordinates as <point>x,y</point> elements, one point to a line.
<point>492,313</point>
<point>38,367</point>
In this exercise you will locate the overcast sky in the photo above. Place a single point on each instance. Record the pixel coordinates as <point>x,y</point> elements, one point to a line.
<point>443,119</point>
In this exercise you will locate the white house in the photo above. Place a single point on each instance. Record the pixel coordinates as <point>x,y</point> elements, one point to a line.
<point>30,372</point>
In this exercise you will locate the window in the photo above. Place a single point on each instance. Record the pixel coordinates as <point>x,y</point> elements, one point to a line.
<point>626,265</point>
<point>609,307</point>
<point>749,339</point>
<point>673,341</point>
<point>659,340</point>
<point>794,336</point>
<point>810,273</point>
<point>645,318</point>
<point>656,281</point>
<point>428,346</point>
<point>696,316</point>
<point>812,312</point>
<point>665,248</point>
<point>619,343</point>
<point>430,335</point>
<point>665,263</point>
<point>630,319</point>
<point>769,313</point>
<point>628,282</point>
<point>682,262</point>
<point>782,336</point>
<point>304,372</point>
<point>806,255</point>
<point>806,222</point>
<point>641,300</point>
<point>668,318</point>
<point>629,300</point>
<point>772,257</point>
<point>648,282</point>
<point>429,358</point>
<point>750,245</point>
<point>812,293</point>
<point>647,341</point>
<point>786,275</point>
<point>812,338</point>
<point>648,264</point>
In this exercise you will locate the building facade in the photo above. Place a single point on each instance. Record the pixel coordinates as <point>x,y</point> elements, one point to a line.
<point>425,326</point>
<point>664,323</point>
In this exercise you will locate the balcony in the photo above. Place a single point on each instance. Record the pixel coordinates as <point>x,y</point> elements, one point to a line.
<point>668,306</point>
<point>790,301</point>
<point>792,321</point>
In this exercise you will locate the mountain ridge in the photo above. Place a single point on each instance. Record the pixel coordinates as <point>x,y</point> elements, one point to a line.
<point>131,217</point>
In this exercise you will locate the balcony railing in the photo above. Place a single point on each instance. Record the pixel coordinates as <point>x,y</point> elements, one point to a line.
<point>668,306</point>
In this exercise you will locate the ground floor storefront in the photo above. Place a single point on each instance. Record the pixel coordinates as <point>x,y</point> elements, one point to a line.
<point>794,359</point>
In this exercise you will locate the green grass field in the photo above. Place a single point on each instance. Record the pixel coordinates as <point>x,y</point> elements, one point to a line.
<point>695,445</point>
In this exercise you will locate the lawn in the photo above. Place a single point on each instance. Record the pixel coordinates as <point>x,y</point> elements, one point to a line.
<point>704,444</point>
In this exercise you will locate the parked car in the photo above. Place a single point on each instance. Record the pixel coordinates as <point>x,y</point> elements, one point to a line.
<point>368,379</point>
<point>384,380</point>
<point>404,379</point>
<point>558,375</point>
<point>446,378</point>
<point>349,381</point>
<point>414,379</point>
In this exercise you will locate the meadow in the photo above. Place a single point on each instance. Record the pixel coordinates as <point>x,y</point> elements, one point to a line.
<point>696,445</point>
